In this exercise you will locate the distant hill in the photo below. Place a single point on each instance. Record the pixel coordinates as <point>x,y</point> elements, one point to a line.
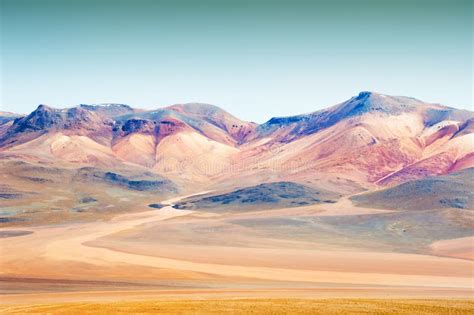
<point>6,117</point>
<point>451,191</point>
<point>260,197</point>
<point>37,193</point>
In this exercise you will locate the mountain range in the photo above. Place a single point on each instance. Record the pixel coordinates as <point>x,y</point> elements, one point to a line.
<point>367,142</point>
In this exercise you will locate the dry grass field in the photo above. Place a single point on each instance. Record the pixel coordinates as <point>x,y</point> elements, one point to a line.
<point>254,306</point>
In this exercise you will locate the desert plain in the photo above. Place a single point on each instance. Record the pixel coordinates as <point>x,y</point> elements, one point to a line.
<point>156,258</point>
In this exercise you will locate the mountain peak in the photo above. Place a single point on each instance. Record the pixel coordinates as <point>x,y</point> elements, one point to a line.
<point>105,105</point>
<point>368,96</point>
<point>367,101</point>
<point>236,128</point>
<point>43,117</point>
<point>110,110</point>
<point>43,107</point>
<point>201,109</point>
<point>364,94</point>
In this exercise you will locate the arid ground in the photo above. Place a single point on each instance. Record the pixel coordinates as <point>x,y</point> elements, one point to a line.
<point>153,258</point>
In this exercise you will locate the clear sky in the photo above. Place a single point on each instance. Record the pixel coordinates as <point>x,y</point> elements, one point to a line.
<point>256,59</point>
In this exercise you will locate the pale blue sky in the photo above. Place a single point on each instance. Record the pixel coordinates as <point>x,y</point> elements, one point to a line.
<point>256,59</point>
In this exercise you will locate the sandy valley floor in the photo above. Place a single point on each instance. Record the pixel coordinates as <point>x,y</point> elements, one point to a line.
<point>169,254</point>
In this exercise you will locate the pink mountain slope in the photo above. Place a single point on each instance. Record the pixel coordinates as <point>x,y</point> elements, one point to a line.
<point>371,139</point>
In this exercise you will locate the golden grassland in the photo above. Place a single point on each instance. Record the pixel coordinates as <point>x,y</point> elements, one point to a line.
<point>254,306</point>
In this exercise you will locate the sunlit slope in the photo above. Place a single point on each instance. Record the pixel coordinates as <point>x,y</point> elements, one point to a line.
<point>367,141</point>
